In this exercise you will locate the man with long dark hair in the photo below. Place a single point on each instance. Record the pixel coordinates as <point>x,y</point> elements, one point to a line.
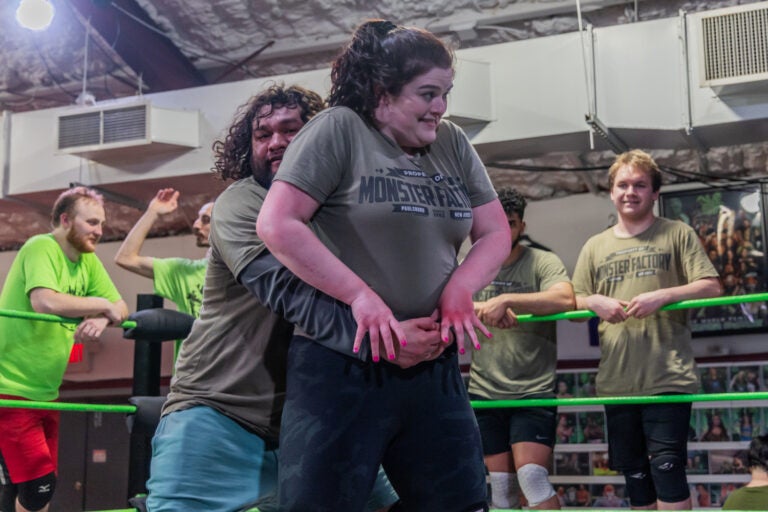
<point>221,421</point>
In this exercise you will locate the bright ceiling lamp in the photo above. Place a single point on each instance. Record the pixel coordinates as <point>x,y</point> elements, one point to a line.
<point>35,14</point>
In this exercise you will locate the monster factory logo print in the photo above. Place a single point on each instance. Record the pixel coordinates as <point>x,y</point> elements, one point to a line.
<point>635,262</point>
<point>442,195</point>
<point>498,287</point>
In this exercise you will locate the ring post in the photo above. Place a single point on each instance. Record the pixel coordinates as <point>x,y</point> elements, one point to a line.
<point>146,382</point>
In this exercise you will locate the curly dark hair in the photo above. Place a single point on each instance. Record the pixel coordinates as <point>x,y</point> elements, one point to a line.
<point>233,154</point>
<point>381,58</point>
<point>512,201</point>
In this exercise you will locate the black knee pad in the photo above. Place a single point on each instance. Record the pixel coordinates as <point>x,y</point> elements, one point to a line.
<point>668,471</point>
<point>640,488</point>
<point>36,494</point>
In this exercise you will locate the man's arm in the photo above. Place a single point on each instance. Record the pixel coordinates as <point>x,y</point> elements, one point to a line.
<point>128,257</point>
<point>329,321</point>
<point>45,300</point>
<point>555,299</point>
<point>607,308</point>
<point>648,303</point>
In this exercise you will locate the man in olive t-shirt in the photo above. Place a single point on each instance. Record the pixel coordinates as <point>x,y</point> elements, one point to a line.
<point>518,363</point>
<point>625,275</point>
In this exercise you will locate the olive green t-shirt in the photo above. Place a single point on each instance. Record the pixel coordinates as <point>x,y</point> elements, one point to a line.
<point>395,220</point>
<point>234,358</point>
<point>519,362</point>
<point>651,355</point>
<point>747,498</point>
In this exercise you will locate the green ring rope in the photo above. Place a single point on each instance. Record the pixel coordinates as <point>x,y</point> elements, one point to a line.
<point>683,304</point>
<point>536,402</point>
<point>44,317</point>
<point>477,404</point>
<point>619,400</point>
<point>66,406</point>
<point>568,315</point>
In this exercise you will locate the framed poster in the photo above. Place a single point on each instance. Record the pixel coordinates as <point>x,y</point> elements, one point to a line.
<point>730,224</point>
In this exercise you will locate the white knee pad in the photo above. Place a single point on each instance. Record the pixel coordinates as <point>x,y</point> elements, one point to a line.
<point>504,490</point>
<point>534,481</point>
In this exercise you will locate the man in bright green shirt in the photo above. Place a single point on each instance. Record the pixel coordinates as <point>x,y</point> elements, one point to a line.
<point>177,279</point>
<point>55,273</point>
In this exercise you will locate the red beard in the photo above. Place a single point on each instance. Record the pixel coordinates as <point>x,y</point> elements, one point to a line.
<point>80,242</point>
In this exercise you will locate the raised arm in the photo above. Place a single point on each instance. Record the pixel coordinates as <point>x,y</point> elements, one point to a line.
<point>128,255</point>
<point>282,225</point>
<point>491,243</point>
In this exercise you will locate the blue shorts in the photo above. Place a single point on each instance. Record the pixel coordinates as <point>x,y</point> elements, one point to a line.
<point>204,461</point>
<point>502,427</point>
<point>344,417</point>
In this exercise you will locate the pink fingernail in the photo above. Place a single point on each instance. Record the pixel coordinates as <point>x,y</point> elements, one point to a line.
<point>462,351</point>
<point>375,359</point>
<point>355,349</point>
<point>403,342</point>
<point>445,340</point>
<point>477,347</point>
<point>391,357</point>
<point>490,335</point>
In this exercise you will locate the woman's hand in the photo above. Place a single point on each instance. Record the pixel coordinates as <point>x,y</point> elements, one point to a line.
<point>457,312</point>
<point>375,318</point>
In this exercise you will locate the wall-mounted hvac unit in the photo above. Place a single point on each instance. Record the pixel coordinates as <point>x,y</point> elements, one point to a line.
<point>733,46</point>
<point>126,131</point>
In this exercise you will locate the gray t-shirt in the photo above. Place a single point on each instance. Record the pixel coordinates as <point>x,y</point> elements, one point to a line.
<point>651,355</point>
<point>395,220</point>
<point>234,359</point>
<point>521,361</point>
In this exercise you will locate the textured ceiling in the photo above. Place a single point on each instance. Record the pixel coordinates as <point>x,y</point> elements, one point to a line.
<point>157,45</point>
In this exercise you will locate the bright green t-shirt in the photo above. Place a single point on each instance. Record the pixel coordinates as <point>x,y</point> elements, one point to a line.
<point>181,280</point>
<point>651,355</point>
<point>519,362</point>
<point>34,354</point>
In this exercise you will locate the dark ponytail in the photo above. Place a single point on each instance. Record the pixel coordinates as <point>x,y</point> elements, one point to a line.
<point>381,58</point>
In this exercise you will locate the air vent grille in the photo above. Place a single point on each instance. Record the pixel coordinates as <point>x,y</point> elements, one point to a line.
<point>79,130</point>
<point>100,127</point>
<point>736,45</point>
<point>125,124</point>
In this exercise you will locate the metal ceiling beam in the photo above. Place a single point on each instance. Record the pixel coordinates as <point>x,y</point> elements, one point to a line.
<point>161,65</point>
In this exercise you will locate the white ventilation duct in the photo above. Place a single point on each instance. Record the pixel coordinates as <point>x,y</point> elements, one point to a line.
<point>125,130</point>
<point>733,45</point>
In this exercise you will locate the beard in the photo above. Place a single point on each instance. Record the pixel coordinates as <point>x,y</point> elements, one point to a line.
<point>262,171</point>
<point>80,242</point>
<point>202,241</point>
